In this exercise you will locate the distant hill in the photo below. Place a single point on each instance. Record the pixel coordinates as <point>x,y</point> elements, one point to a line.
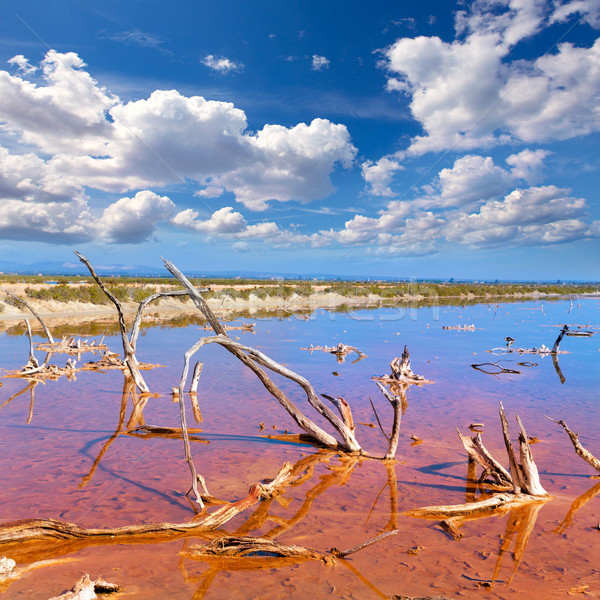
<point>50,268</point>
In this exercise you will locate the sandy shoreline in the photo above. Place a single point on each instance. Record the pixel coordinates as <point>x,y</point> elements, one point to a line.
<point>224,306</point>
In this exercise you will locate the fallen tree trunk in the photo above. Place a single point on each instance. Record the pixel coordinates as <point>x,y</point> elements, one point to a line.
<point>53,529</point>
<point>504,500</point>
<point>252,358</point>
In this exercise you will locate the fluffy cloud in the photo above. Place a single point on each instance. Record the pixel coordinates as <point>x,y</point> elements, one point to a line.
<point>77,137</point>
<point>22,64</point>
<point>66,115</point>
<point>532,216</point>
<point>232,225</point>
<point>287,164</point>
<point>222,64</point>
<point>319,63</point>
<point>379,175</point>
<point>54,222</point>
<point>132,220</point>
<point>527,216</point>
<point>224,220</point>
<point>528,165</point>
<point>467,94</point>
<point>588,9</point>
<point>471,179</point>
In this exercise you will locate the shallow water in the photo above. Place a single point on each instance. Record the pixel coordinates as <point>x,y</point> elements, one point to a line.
<point>61,458</point>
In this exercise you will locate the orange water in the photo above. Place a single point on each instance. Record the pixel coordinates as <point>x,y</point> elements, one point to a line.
<point>61,459</point>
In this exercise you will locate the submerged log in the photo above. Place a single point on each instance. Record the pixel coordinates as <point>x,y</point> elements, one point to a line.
<point>340,351</point>
<point>244,547</point>
<point>52,529</point>
<point>504,500</point>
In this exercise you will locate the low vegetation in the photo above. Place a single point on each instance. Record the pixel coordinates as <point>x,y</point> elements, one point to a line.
<point>83,289</point>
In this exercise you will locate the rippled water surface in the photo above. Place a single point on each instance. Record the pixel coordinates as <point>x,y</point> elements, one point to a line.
<point>64,454</point>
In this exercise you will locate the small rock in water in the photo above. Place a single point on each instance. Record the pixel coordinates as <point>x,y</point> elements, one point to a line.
<point>6,565</point>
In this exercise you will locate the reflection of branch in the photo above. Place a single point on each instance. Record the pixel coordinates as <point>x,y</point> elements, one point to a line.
<point>521,522</point>
<point>577,504</point>
<point>338,476</point>
<point>557,368</point>
<point>31,388</point>
<point>128,387</point>
<point>363,579</point>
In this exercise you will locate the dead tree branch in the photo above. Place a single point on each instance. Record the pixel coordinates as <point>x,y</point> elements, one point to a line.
<point>396,402</point>
<point>402,372</point>
<point>128,350</point>
<point>252,358</point>
<point>340,351</point>
<point>52,529</point>
<point>581,451</point>
<point>33,312</point>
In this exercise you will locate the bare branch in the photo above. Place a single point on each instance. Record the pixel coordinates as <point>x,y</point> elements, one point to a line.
<point>128,349</point>
<point>33,312</point>
<point>581,451</point>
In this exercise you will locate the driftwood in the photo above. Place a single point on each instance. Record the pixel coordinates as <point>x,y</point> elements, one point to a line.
<point>129,340</point>
<point>70,345</point>
<point>34,371</point>
<point>34,313</point>
<point>581,451</point>
<point>523,478</point>
<point>340,351</point>
<point>459,327</point>
<point>479,453</point>
<point>86,589</point>
<point>402,372</point>
<point>245,547</point>
<point>247,327</point>
<point>397,402</point>
<point>52,529</point>
<point>543,350</point>
<point>504,500</point>
<point>254,359</point>
<point>128,348</point>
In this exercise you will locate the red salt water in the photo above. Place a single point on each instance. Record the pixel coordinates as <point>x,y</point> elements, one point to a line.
<point>61,459</point>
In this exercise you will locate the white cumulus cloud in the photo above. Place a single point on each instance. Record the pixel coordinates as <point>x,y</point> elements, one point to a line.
<point>379,175</point>
<point>70,138</point>
<point>221,64</point>
<point>133,220</point>
<point>468,93</point>
<point>319,63</point>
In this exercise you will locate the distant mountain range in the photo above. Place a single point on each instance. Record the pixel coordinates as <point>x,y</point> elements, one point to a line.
<point>50,268</point>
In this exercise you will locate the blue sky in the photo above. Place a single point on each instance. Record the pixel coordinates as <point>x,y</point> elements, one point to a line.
<point>429,140</point>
